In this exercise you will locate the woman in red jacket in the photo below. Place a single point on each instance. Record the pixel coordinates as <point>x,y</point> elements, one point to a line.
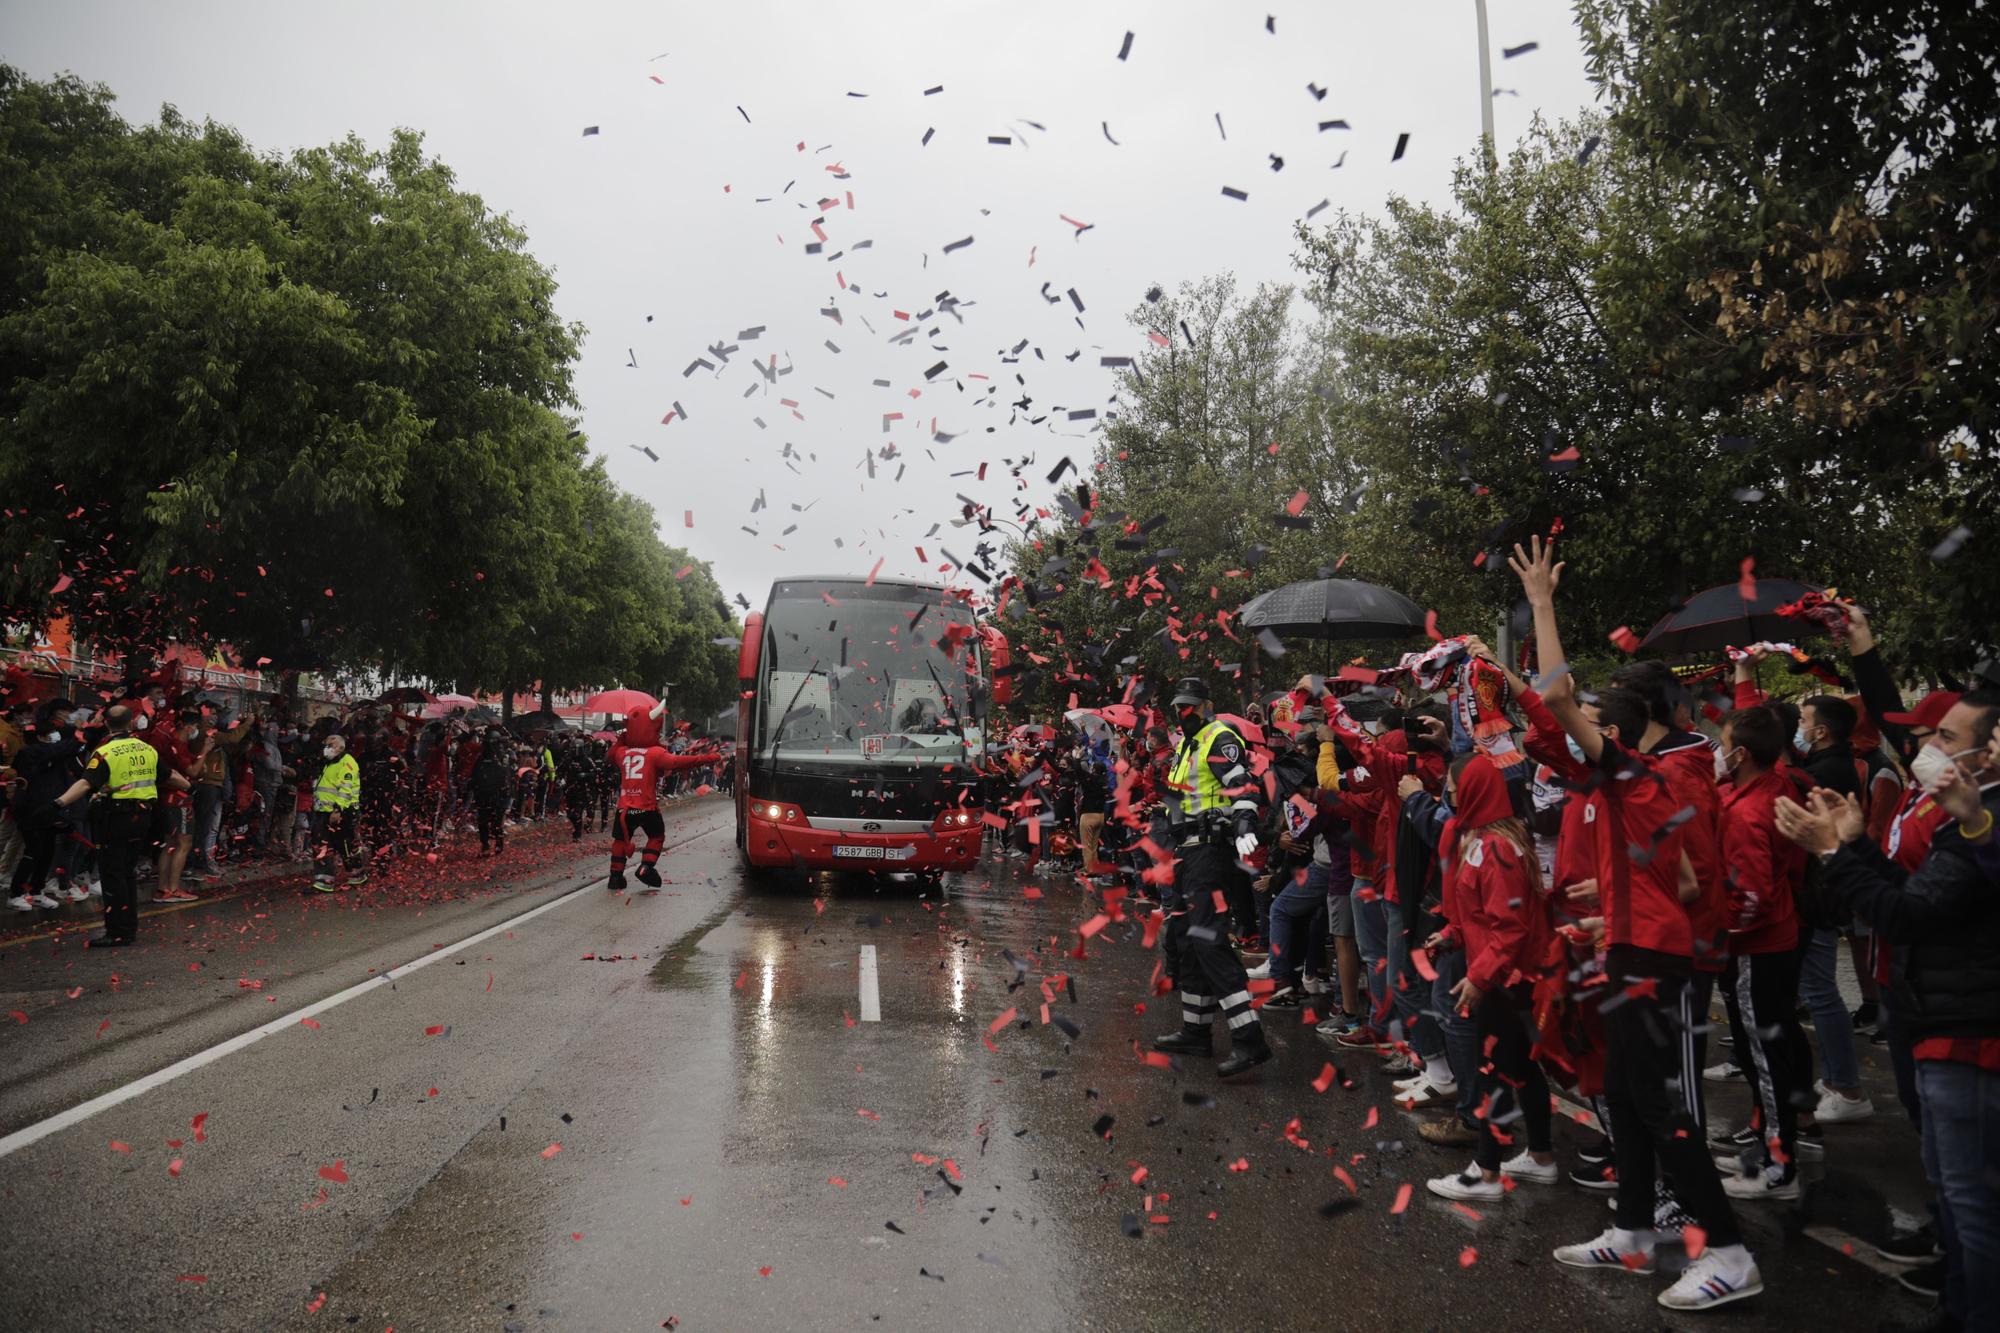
<point>1498,913</point>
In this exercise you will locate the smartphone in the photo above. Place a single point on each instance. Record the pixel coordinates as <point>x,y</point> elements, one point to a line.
<point>1413,726</point>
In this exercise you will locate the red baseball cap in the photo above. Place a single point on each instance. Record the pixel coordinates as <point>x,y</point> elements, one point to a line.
<point>1930,711</point>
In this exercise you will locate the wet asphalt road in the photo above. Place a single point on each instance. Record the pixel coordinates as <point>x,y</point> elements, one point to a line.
<point>639,1107</point>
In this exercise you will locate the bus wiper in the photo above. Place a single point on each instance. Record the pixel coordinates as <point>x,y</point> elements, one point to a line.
<point>778,741</point>
<point>944,696</point>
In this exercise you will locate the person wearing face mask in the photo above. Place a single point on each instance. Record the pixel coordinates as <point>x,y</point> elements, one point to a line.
<point>125,774</point>
<point>1944,920</point>
<point>1212,816</point>
<point>336,808</point>
<point>46,765</point>
<point>1763,871</point>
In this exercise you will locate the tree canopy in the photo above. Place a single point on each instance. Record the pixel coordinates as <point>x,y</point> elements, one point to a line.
<point>317,407</point>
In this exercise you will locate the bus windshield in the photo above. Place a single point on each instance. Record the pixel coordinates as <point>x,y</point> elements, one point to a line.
<point>867,673</point>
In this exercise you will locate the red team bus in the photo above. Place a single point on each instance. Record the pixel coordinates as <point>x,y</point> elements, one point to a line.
<point>858,729</point>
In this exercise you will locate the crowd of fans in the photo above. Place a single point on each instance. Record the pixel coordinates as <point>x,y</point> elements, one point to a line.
<point>344,795</point>
<point>1633,894</point>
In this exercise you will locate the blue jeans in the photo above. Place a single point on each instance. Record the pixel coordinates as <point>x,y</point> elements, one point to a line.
<point>1831,1020</point>
<point>207,821</point>
<point>1961,1154</point>
<point>1298,928</point>
<point>1371,936</point>
<point>1461,1035</point>
<point>1410,992</point>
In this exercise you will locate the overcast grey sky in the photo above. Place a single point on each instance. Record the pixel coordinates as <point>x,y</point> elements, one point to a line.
<point>659,214</point>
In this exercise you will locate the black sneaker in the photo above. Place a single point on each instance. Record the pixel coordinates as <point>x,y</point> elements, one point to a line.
<point>1927,1280</point>
<point>648,876</point>
<point>1595,1154</point>
<point>1596,1176</point>
<point>1936,1319</point>
<point>1185,1042</point>
<point>1866,1015</point>
<point>1745,1137</point>
<point>1285,998</point>
<point>1912,1247</point>
<point>1810,1142</point>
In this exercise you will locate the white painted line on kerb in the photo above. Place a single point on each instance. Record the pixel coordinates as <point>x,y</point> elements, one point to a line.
<point>871,989</point>
<point>76,1115</point>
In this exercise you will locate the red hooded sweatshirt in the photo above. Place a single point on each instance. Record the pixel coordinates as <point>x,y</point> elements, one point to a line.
<point>1388,760</point>
<point>1491,898</point>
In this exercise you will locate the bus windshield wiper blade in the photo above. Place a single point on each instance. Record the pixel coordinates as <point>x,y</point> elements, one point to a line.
<point>778,739</point>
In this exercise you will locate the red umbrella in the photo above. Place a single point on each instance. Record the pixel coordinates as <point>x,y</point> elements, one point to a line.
<point>445,704</point>
<point>604,735</point>
<point>618,701</point>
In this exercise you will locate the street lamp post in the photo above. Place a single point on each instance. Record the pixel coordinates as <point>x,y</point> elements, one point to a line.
<point>1486,88</point>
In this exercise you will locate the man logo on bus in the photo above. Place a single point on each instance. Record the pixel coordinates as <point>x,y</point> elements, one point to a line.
<point>871,827</point>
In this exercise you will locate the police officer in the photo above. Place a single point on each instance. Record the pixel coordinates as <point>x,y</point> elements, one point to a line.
<point>1212,814</point>
<point>125,772</point>
<point>336,798</point>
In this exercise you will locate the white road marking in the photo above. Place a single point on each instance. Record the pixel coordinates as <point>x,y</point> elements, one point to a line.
<point>76,1115</point>
<point>871,989</point>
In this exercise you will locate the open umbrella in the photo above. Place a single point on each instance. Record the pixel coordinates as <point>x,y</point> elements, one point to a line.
<point>1333,609</point>
<point>1717,617</point>
<point>539,720</point>
<point>444,705</point>
<point>618,701</point>
<point>604,735</point>
<point>405,694</point>
<point>1031,731</point>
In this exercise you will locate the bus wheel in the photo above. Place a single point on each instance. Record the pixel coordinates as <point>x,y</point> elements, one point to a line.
<point>755,873</point>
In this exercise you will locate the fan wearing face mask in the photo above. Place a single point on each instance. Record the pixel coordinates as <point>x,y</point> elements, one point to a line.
<point>1944,919</point>
<point>336,805</point>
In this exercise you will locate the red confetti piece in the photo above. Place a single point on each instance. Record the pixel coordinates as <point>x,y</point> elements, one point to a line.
<point>1340,1174</point>
<point>433,1029</point>
<point>1002,1021</point>
<point>200,1133</point>
<point>17,1015</point>
<point>1746,580</point>
<point>1325,1079</point>
<point>552,1150</point>
<point>1467,1257</point>
<point>688,1201</point>
<point>837,1182</point>
<point>337,1173</point>
<point>312,1023</point>
<point>119,1145</point>
<point>1402,1198</point>
<point>742,977</point>
<point>866,1114</point>
<point>1374,1115</point>
<point>1420,958</point>
<point>1625,639</point>
<point>1296,505</point>
<point>1092,926</point>
<point>765,1271</point>
<point>1240,1165</point>
<point>192,1277</point>
<point>1696,1240</point>
<point>174,1167</point>
<point>576,1235</point>
<point>312,1306</point>
<point>1431,627</point>
<point>848,1017</point>
<point>61,585</point>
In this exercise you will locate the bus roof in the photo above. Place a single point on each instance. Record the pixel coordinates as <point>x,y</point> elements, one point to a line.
<point>878,581</point>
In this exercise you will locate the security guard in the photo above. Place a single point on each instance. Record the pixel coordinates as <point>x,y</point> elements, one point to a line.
<point>1212,814</point>
<point>336,794</point>
<point>125,773</point>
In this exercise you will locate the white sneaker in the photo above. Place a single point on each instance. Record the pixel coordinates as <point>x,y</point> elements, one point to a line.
<point>95,887</point>
<point>1622,1253</point>
<point>1318,986</point>
<point>45,900</point>
<point>1835,1107</point>
<point>1722,1073</point>
<point>78,894</point>
<point>1758,1185</point>
<point>1261,972</point>
<point>1410,1084</point>
<point>1711,1281</point>
<point>20,902</point>
<point>1525,1168</point>
<point>1470,1185</point>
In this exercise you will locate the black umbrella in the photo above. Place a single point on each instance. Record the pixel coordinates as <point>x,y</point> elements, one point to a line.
<point>539,720</point>
<point>1718,617</point>
<point>1333,609</point>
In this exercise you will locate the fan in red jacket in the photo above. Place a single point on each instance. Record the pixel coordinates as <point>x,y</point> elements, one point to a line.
<point>1498,913</point>
<point>1763,871</point>
<point>640,761</point>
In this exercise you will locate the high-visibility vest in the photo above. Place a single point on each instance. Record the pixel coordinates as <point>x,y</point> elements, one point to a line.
<point>339,785</point>
<point>1193,779</point>
<point>133,767</point>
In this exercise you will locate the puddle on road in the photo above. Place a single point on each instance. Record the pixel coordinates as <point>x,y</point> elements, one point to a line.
<point>672,971</point>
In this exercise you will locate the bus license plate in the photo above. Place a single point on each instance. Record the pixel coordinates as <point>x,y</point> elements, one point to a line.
<point>850,852</point>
